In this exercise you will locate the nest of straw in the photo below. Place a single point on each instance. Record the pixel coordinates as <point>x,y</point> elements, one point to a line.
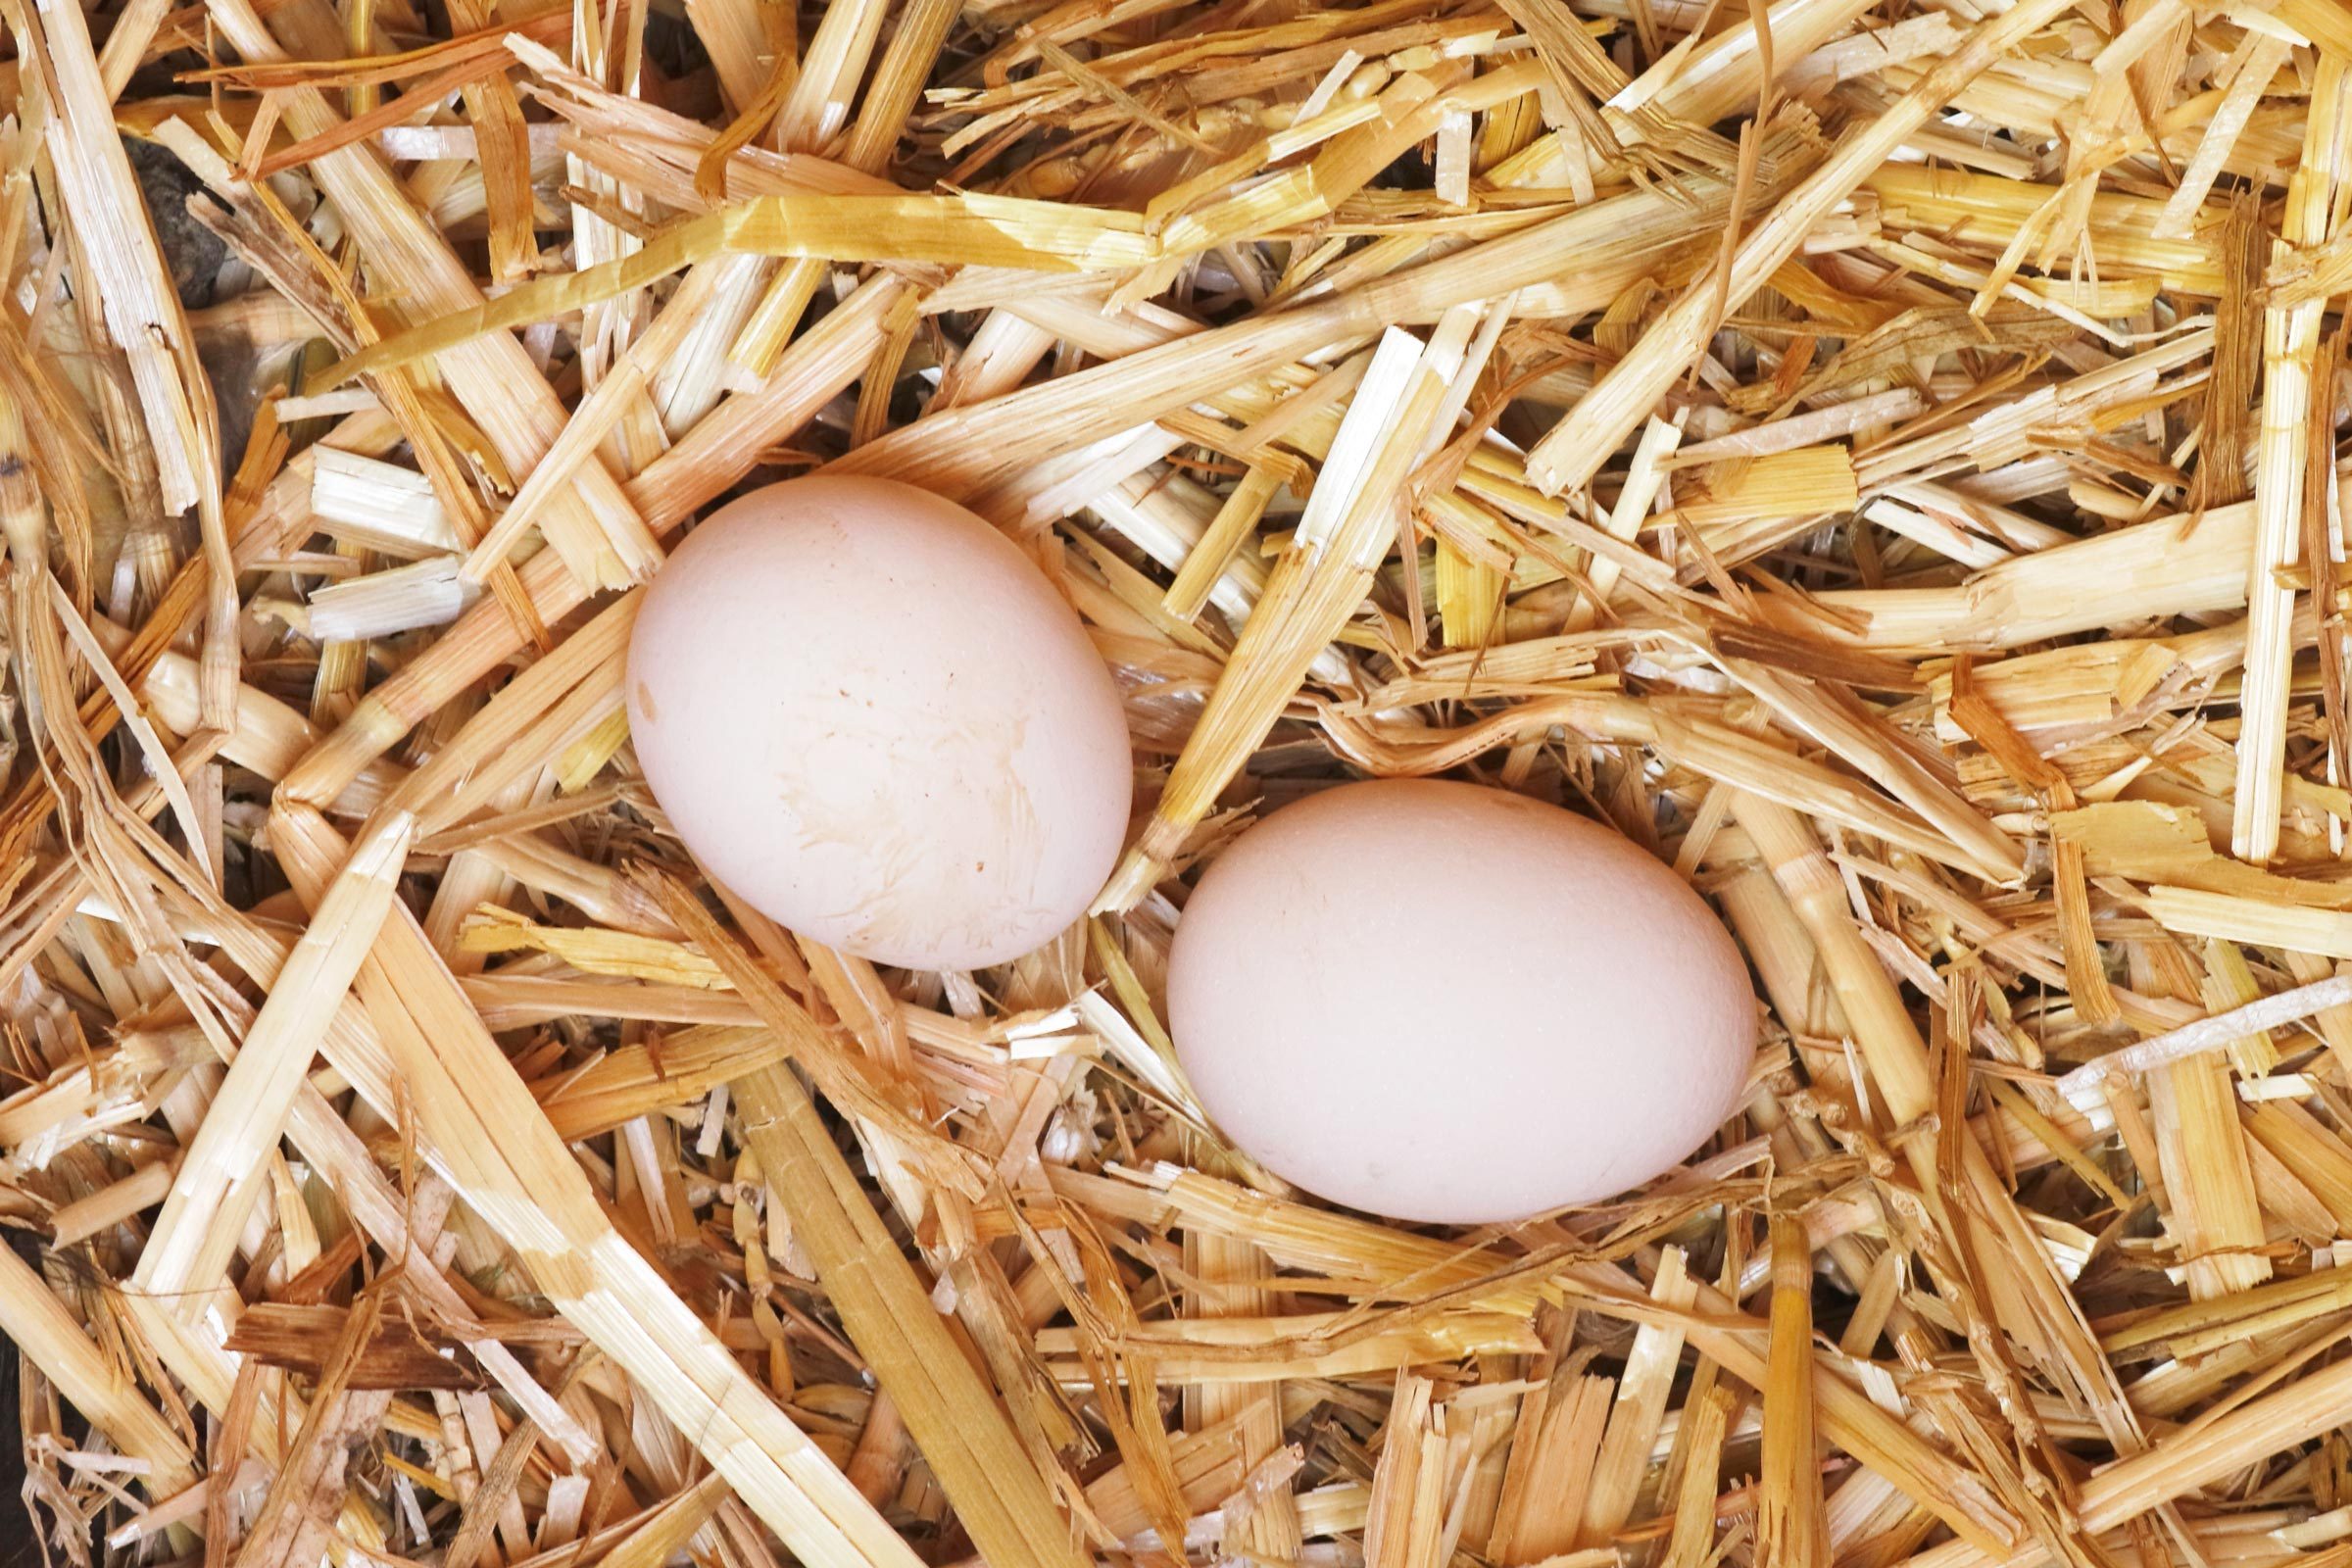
<point>1881,457</point>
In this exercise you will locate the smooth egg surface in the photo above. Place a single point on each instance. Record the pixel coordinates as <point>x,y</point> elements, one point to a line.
<point>867,711</point>
<point>1449,1003</point>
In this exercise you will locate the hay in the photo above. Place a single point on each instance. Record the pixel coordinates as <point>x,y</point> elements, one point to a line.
<point>1883,460</point>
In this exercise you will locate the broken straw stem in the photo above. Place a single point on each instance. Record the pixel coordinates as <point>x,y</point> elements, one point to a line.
<point>2086,1085</point>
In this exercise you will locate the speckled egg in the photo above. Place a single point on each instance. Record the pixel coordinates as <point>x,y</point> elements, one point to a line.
<point>868,713</point>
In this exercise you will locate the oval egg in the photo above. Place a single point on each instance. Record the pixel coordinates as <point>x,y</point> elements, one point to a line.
<point>868,713</point>
<point>1449,1004</point>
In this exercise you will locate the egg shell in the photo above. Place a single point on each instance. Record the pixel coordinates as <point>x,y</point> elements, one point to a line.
<point>868,713</point>
<point>1449,1003</point>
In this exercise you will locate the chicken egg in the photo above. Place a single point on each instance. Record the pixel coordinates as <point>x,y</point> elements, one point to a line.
<point>867,712</point>
<point>1449,1003</point>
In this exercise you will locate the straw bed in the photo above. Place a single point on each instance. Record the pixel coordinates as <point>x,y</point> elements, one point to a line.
<point>1881,458</point>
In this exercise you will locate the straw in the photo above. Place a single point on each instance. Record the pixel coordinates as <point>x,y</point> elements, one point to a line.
<point>1882,461</point>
